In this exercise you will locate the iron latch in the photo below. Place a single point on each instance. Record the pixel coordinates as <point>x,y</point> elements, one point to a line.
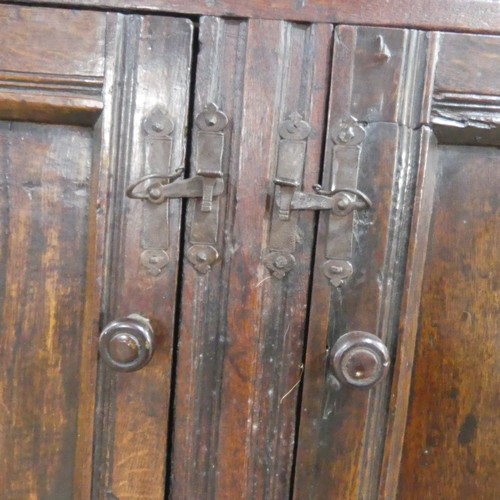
<point>162,188</point>
<point>339,201</point>
<point>207,184</point>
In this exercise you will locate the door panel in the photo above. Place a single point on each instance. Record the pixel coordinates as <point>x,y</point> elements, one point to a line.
<point>72,246</point>
<point>152,71</point>
<point>241,329</point>
<point>453,416</point>
<point>50,303</point>
<point>443,424</point>
<point>376,85</point>
<point>45,211</point>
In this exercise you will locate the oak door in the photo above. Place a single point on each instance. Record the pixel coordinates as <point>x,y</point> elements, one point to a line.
<point>76,88</point>
<point>447,374</point>
<point>428,159</point>
<point>96,104</point>
<point>251,282</point>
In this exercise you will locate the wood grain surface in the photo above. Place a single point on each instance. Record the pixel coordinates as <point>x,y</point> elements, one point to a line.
<point>50,298</point>
<point>51,65</point>
<point>45,211</point>
<point>376,78</point>
<point>452,429</point>
<point>240,342</point>
<point>150,67</point>
<point>238,400</point>
<point>455,216</point>
<point>452,15</point>
<point>52,41</point>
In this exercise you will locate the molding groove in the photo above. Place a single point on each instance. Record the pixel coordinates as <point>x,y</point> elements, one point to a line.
<point>84,86</point>
<point>50,98</point>
<point>462,110</point>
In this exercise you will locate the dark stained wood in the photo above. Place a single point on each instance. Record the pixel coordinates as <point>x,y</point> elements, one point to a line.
<point>51,65</point>
<point>45,211</point>
<point>153,62</point>
<point>75,88</point>
<point>339,449</point>
<point>52,42</point>
<point>461,109</point>
<point>468,64</point>
<point>70,242</point>
<point>454,15</point>
<point>201,345</point>
<point>397,414</point>
<point>21,106</point>
<point>241,330</point>
<point>463,95</point>
<point>51,301</point>
<point>452,428</point>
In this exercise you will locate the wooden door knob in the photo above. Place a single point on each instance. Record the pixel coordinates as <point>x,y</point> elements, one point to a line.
<point>359,359</point>
<point>127,344</point>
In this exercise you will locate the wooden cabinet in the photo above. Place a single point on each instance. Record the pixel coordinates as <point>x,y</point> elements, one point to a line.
<point>247,275</point>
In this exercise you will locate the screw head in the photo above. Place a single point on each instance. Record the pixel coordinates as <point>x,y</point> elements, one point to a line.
<point>154,192</point>
<point>343,203</point>
<point>202,256</point>
<point>211,119</point>
<point>158,126</point>
<point>336,269</point>
<point>281,261</point>
<point>347,134</point>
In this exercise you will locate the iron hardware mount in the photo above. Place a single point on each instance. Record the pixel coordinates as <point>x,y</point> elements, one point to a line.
<point>347,136</point>
<point>207,184</point>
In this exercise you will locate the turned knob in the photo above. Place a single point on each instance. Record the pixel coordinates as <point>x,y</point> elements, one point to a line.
<point>127,344</point>
<point>359,359</point>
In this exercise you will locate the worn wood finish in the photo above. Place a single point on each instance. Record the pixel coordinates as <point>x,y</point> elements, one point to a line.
<point>48,350</point>
<point>52,41</point>
<point>453,238</point>
<point>83,248</point>
<point>397,414</point>
<point>51,65</point>
<point>453,15</point>
<point>241,330</point>
<point>463,95</point>
<point>153,62</point>
<point>75,88</point>
<point>45,213</point>
<point>452,426</point>
<point>466,64</point>
<point>219,71</point>
<point>50,98</point>
<point>339,448</point>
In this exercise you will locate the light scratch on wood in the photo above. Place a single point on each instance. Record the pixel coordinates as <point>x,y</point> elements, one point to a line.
<point>262,281</point>
<point>294,385</point>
